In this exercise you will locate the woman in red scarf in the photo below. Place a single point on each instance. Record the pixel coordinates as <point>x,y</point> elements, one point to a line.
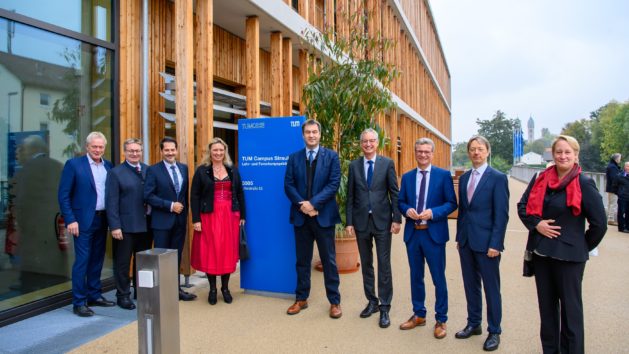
<point>554,208</point>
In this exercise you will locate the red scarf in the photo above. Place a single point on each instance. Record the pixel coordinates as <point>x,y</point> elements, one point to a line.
<point>550,179</point>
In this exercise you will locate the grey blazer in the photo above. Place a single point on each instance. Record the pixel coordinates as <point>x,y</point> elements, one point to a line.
<point>383,195</point>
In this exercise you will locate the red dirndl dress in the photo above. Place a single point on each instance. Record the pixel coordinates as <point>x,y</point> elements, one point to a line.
<point>215,247</point>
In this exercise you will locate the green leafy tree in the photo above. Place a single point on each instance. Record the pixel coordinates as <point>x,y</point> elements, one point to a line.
<point>614,129</point>
<point>346,91</point>
<point>589,156</point>
<point>459,156</point>
<point>499,131</point>
<point>537,146</point>
<point>500,164</point>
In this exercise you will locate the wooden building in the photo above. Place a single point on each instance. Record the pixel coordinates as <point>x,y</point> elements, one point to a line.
<point>184,68</point>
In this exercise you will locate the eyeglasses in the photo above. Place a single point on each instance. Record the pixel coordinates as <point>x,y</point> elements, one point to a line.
<point>134,151</point>
<point>480,149</point>
<point>373,141</point>
<point>423,152</point>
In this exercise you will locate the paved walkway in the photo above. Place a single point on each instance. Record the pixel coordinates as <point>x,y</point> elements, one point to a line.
<point>259,324</point>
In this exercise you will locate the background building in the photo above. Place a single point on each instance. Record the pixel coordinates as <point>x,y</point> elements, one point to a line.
<point>187,69</point>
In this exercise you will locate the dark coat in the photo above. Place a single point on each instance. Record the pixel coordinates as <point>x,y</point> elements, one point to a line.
<point>575,242</point>
<point>124,199</point>
<point>382,195</point>
<point>612,171</point>
<point>621,184</point>
<point>159,193</point>
<point>202,192</point>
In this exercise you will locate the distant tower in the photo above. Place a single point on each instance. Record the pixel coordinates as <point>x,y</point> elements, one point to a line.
<point>531,127</point>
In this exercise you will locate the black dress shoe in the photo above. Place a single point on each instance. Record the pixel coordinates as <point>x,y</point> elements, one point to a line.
<point>492,342</point>
<point>371,308</point>
<point>102,302</point>
<point>227,296</point>
<point>468,331</point>
<point>212,298</point>
<point>126,303</point>
<point>385,321</point>
<point>184,296</point>
<point>82,311</point>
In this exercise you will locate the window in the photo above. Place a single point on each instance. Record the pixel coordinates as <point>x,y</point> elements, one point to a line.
<point>44,99</point>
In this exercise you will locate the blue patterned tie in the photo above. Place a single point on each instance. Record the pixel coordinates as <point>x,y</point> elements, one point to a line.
<point>176,179</point>
<point>369,173</point>
<point>310,156</point>
<point>422,193</point>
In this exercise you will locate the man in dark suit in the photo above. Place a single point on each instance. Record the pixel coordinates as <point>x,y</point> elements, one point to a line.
<point>126,214</point>
<point>621,185</point>
<point>426,199</point>
<point>612,170</point>
<point>166,191</point>
<point>480,233</point>
<point>82,202</point>
<point>313,176</point>
<point>372,214</point>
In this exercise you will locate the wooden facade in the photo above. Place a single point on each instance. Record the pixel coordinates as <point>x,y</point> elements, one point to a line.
<point>192,43</point>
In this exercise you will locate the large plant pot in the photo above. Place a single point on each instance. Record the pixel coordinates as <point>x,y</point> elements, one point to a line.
<point>346,256</point>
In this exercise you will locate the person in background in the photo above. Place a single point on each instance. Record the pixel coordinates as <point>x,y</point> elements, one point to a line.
<point>127,217</point>
<point>218,208</point>
<point>82,202</point>
<point>612,170</point>
<point>621,185</point>
<point>554,208</point>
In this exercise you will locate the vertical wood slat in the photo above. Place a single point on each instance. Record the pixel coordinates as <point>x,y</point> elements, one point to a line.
<point>184,96</point>
<point>287,77</point>
<point>303,77</point>
<point>329,15</point>
<point>303,7</point>
<point>277,86</point>
<point>253,66</point>
<point>204,63</point>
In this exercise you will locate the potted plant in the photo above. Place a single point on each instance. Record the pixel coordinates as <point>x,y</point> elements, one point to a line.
<point>346,90</point>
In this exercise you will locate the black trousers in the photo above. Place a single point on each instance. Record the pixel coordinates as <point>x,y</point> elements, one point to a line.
<point>130,244</point>
<point>305,236</point>
<point>560,304</point>
<point>365,240</point>
<point>623,214</point>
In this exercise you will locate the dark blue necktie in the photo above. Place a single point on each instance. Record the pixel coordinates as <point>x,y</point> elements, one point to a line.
<point>310,156</point>
<point>422,193</point>
<point>176,179</point>
<point>369,173</point>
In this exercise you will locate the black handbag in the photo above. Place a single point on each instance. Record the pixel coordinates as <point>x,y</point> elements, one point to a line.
<point>528,269</point>
<point>243,250</point>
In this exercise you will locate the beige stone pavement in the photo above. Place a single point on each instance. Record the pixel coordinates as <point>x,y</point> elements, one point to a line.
<point>258,324</point>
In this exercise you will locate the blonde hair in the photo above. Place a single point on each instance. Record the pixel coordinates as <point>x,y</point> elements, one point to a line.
<point>574,144</point>
<point>207,159</point>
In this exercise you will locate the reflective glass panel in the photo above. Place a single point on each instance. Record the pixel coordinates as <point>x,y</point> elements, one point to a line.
<point>53,92</point>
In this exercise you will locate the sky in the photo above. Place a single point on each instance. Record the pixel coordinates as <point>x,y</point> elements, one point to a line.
<point>554,60</point>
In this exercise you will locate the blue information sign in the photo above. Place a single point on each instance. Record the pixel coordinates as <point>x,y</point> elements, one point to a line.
<point>263,148</point>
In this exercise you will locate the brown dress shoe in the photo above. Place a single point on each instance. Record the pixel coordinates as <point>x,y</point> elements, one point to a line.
<point>297,306</point>
<point>335,311</point>
<point>440,330</point>
<point>413,322</point>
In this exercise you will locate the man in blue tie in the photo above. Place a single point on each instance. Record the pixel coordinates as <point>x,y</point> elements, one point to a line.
<point>426,199</point>
<point>82,202</point>
<point>313,176</point>
<point>371,216</point>
<point>166,191</point>
<point>480,232</point>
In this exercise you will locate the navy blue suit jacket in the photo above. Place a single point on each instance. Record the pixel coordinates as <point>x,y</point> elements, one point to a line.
<point>77,192</point>
<point>159,193</point>
<point>441,200</point>
<point>325,184</point>
<point>482,223</point>
<point>125,199</point>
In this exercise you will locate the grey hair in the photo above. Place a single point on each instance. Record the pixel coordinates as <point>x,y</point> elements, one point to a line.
<point>131,141</point>
<point>616,156</point>
<point>95,135</point>
<point>425,141</point>
<point>368,130</point>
